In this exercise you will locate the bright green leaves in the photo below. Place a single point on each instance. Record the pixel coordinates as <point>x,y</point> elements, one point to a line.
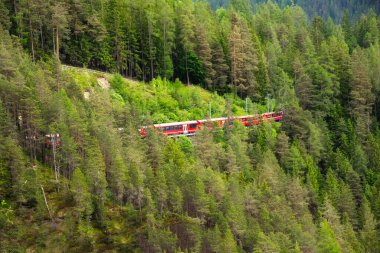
<point>327,240</point>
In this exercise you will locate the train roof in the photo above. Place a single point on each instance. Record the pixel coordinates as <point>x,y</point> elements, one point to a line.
<point>208,120</point>
<point>176,123</point>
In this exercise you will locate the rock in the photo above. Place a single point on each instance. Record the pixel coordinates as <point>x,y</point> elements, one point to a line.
<point>103,83</point>
<point>86,95</point>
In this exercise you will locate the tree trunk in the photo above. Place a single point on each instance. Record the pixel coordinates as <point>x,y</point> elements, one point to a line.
<point>150,51</point>
<point>54,41</point>
<point>187,70</point>
<point>57,42</point>
<point>31,33</point>
<point>234,72</point>
<point>46,203</point>
<point>165,50</point>
<point>42,38</point>
<point>56,167</point>
<point>14,7</point>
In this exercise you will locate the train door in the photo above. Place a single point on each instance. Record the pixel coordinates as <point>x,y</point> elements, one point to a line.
<point>185,131</point>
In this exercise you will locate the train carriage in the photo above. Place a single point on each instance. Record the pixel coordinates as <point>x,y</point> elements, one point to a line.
<point>188,128</point>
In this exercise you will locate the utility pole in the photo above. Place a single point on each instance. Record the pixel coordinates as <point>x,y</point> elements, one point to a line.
<point>56,167</point>
<point>268,98</point>
<point>246,106</point>
<point>210,110</point>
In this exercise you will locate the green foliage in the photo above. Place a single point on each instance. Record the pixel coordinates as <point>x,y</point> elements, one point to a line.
<point>81,194</point>
<point>310,183</point>
<point>327,240</point>
<point>7,215</point>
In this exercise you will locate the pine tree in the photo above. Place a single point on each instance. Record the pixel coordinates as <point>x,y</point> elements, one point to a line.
<point>327,240</point>
<point>236,54</point>
<point>228,243</point>
<point>352,243</point>
<point>204,53</point>
<point>82,196</point>
<point>220,68</point>
<point>282,148</point>
<point>4,16</point>
<point>319,31</point>
<point>244,58</point>
<point>165,23</point>
<point>296,163</point>
<point>348,31</point>
<point>59,23</point>
<point>362,97</point>
<point>340,56</point>
<point>369,235</point>
<point>303,84</point>
<point>265,244</point>
<point>186,35</point>
<point>96,177</point>
<point>251,63</point>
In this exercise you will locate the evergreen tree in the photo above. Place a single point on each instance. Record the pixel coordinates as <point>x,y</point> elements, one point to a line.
<point>204,53</point>
<point>95,174</point>
<point>236,54</point>
<point>186,34</point>
<point>327,239</point>
<point>361,95</point>
<point>220,68</point>
<point>369,235</point>
<point>82,195</point>
<point>303,85</point>
<point>59,23</point>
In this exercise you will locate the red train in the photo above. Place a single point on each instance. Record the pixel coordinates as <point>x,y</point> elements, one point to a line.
<point>189,128</point>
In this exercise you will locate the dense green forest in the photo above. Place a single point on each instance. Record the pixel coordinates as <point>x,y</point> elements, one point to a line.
<point>308,184</point>
<point>325,8</point>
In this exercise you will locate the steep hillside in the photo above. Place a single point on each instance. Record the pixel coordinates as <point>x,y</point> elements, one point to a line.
<point>76,176</point>
<point>162,101</point>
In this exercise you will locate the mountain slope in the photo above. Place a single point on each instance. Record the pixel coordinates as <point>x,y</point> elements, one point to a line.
<point>333,9</point>
<point>308,184</point>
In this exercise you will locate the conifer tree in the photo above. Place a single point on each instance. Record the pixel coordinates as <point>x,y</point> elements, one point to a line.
<point>204,53</point>
<point>303,84</point>
<point>369,235</point>
<point>95,174</point>
<point>282,148</point>
<point>185,26</point>
<point>220,67</point>
<point>327,239</point>
<point>59,24</point>
<point>236,54</point>
<point>319,31</point>
<point>4,16</point>
<point>165,24</point>
<point>82,196</point>
<point>362,97</point>
<point>228,243</point>
<point>296,163</point>
<point>348,30</point>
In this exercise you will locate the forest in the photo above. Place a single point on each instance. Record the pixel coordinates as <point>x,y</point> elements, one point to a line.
<point>310,183</point>
<point>324,8</point>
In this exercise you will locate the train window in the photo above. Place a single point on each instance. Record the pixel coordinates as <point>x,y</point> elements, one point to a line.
<point>171,128</point>
<point>193,125</point>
